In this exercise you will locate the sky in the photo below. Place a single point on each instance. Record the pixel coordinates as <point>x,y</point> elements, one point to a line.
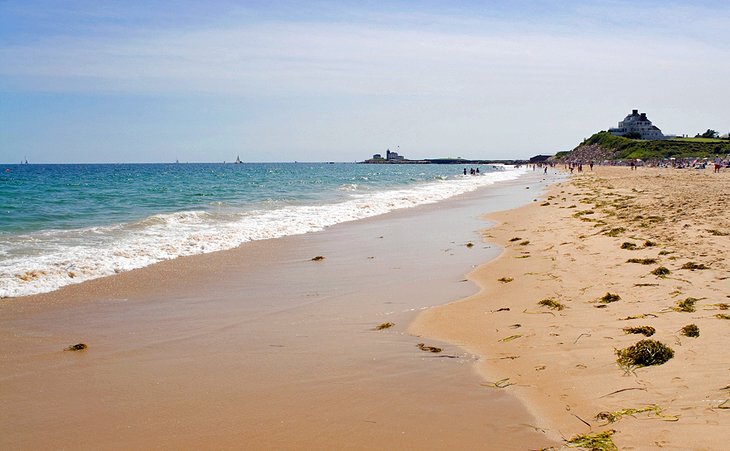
<point>95,81</point>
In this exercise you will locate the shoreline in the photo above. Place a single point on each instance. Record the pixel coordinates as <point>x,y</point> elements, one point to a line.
<point>260,346</point>
<point>140,235</point>
<point>569,248</point>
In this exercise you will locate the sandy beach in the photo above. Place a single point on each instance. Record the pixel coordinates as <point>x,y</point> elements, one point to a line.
<point>260,347</point>
<point>569,248</point>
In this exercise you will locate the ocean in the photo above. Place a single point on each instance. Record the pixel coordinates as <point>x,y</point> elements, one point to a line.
<point>64,224</point>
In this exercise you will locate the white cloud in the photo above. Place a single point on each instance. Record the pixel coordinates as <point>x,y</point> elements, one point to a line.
<point>285,59</point>
<point>460,83</point>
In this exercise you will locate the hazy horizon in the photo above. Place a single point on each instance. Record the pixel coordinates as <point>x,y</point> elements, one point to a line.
<point>100,82</point>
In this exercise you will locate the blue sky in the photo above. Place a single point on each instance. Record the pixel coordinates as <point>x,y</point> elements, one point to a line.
<point>140,81</point>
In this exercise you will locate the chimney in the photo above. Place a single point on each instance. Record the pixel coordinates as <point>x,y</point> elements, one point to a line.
<point>643,117</point>
<point>634,112</point>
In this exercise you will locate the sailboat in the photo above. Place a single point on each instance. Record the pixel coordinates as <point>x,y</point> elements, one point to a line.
<point>238,160</point>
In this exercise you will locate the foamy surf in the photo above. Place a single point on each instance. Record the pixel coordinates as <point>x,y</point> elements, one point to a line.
<point>44,261</point>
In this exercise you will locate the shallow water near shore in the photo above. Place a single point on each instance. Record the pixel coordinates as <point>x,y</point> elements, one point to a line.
<point>65,224</point>
<point>261,347</point>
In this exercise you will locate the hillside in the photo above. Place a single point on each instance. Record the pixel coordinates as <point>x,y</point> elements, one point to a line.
<point>605,146</point>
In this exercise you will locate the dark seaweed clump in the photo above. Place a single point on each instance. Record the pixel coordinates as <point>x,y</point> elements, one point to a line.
<point>597,441</point>
<point>644,353</point>
<point>423,347</point>
<point>608,298</point>
<point>692,266</point>
<point>615,232</point>
<point>691,330</point>
<point>646,331</point>
<point>552,304</point>
<point>688,305</point>
<point>76,347</point>
<point>661,271</point>
<point>642,261</point>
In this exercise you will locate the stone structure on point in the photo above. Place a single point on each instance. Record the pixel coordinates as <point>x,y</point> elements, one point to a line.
<point>389,156</point>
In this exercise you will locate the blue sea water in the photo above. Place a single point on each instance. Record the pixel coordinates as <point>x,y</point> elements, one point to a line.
<point>63,224</point>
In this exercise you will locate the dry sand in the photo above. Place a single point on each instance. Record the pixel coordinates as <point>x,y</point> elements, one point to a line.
<point>568,247</point>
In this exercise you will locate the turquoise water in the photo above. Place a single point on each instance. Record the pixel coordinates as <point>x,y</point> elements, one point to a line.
<point>38,197</point>
<point>63,224</point>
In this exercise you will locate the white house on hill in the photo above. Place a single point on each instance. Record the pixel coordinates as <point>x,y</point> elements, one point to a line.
<point>637,123</point>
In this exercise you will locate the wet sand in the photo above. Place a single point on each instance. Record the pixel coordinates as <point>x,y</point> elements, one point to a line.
<point>569,247</point>
<point>261,347</point>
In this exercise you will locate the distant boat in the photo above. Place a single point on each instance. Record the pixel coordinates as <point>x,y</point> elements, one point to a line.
<point>238,160</point>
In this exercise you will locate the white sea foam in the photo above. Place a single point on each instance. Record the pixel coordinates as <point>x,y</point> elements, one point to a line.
<point>46,261</point>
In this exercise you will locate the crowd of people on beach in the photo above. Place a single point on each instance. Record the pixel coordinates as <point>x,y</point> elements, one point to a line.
<point>573,165</point>
<point>606,157</point>
<point>674,163</point>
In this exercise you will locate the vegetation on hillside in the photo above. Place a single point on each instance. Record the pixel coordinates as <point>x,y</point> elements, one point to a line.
<point>625,148</point>
<point>701,140</point>
<point>710,133</point>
